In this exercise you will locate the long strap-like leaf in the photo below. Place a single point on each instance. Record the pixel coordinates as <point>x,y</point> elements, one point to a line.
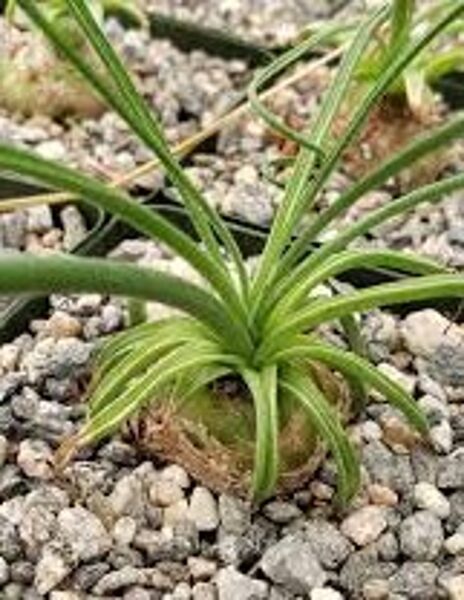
<point>23,274</point>
<point>355,366</point>
<point>327,423</point>
<point>148,222</point>
<point>263,387</point>
<point>324,310</point>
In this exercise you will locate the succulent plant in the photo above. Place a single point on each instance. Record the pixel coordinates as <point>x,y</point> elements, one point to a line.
<point>240,387</point>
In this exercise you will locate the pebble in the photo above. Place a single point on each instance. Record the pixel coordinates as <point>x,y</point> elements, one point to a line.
<point>455,544</point>
<point>51,570</point>
<point>35,458</point>
<point>451,471</point>
<point>75,229</point>
<point>4,572</point>
<point>232,585</point>
<point>84,533</point>
<point>281,512</point>
<point>416,580</point>
<point>421,536</point>
<point>124,531</point>
<point>382,495</point>
<point>424,332</point>
<point>62,325</point>
<point>200,568</point>
<point>325,593</point>
<point>365,525</point>
<point>203,510</point>
<point>234,515</point>
<point>176,475</point>
<point>166,493</point>
<point>293,563</point>
<point>376,589</point>
<point>176,513</point>
<point>203,591</point>
<point>39,219</point>
<point>441,436</point>
<point>455,587</point>
<point>428,497</point>
<point>328,544</point>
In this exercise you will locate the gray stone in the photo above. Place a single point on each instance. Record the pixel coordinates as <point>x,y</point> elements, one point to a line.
<point>329,545</point>
<point>451,472</point>
<point>200,568</point>
<point>421,536</point>
<point>22,572</point>
<point>127,497</point>
<point>203,510</point>
<point>281,512</point>
<point>428,497</point>
<point>84,533</point>
<point>37,527</point>
<point>39,219</point>
<point>387,468</point>
<point>232,585</point>
<point>246,548</point>
<point>235,514</point>
<point>118,580</point>
<point>50,571</point>
<point>455,587</point>
<point>177,475</point>
<point>166,493</point>
<point>441,436</point>
<point>203,591</point>
<point>365,525</point>
<point>363,566</point>
<point>35,458</point>
<point>88,575</point>
<point>416,580</point>
<point>74,227</point>
<point>124,531</point>
<point>292,563</point>
<point>455,544</point>
<point>10,546</point>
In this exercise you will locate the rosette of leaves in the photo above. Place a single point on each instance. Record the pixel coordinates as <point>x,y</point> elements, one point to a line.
<point>241,387</point>
<point>33,77</point>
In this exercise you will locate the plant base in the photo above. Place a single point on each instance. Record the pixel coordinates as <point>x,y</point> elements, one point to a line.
<point>212,437</point>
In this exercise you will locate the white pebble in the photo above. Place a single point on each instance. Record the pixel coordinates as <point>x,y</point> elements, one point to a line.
<point>427,496</point>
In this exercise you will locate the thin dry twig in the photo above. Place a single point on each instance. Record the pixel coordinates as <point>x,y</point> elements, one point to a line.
<point>182,149</point>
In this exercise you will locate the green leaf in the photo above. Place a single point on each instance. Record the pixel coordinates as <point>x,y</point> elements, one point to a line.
<point>341,263</point>
<point>323,310</point>
<point>327,423</point>
<point>142,218</point>
<point>299,188</point>
<point>180,360</point>
<point>353,365</point>
<point>263,387</point>
<point>118,90</point>
<point>419,148</point>
<point>116,380</point>
<point>22,274</point>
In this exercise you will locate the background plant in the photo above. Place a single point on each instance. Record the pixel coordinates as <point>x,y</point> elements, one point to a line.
<point>259,327</point>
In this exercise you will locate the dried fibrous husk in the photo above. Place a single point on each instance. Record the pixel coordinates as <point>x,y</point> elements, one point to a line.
<point>212,437</point>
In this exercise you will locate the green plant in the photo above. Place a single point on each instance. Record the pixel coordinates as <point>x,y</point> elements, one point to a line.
<point>260,328</point>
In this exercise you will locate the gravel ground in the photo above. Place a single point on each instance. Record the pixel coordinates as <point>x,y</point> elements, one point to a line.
<point>117,525</point>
